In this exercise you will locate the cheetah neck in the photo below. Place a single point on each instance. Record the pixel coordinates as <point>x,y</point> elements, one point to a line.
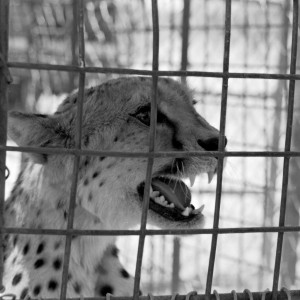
<point>37,202</point>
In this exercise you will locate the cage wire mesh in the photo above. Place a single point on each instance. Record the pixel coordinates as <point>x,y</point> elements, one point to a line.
<point>118,37</point>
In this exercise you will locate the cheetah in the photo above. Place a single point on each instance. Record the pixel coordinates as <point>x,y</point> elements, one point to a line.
<point>116,117</point>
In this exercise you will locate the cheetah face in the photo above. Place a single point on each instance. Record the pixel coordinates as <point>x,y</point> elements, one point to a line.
<point>116,117</point>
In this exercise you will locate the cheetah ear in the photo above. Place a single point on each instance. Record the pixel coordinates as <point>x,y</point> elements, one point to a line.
<point>33,130</point>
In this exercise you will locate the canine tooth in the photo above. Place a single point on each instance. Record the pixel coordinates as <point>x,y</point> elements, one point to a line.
<point>151,189</point>
<point>187,211</point>
<point>172,205</point>
<point>201,208</point>
<point>198,210</point>
<point>210,175</point>
<point>192,179</point>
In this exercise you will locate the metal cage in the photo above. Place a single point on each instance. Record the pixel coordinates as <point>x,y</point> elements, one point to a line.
<point>225,75</point>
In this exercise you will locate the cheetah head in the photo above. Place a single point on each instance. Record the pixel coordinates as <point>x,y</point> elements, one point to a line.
<point>116,117</point>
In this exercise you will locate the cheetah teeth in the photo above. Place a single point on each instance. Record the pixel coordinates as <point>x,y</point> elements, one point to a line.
<point>162,201</point>
<point>192,180</point>
<point>210,176</point>
<point>198,210</point>
<point>187,211</point>
<point>154,194</point>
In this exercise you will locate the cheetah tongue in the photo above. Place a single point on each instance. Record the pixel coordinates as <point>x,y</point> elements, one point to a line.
<point>174,191</point>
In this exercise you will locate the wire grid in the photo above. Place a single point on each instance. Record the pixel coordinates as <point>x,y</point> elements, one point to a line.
<point>152,154</point>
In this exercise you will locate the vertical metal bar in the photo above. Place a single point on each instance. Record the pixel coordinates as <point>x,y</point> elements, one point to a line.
<point>171,42</point>
<point>80,16</point>
<point>184,64</point>
<point>146,26</point>
<point>176,266</point>
<point>206,51</point>
<point>287,148</point>
<point>265,244</point>
<point>151,268</point>
<point>185,36</point>
<point>281,90</point>
<point>142,236</point>
<point>245,9</point>
<point>4,11</point>
<point>206,22</point>
<point>74,43</point>
<point>163,258</point>
<point>221,148</point>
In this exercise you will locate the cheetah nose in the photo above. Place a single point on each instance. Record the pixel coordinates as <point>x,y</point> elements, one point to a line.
<point>210,144</point>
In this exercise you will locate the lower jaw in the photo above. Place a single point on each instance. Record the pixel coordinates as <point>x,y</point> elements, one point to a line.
<point>170,214</point>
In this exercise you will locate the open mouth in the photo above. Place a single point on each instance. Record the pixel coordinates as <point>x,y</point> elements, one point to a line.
<point>171,198</point>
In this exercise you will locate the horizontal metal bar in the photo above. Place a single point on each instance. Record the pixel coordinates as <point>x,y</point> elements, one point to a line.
<point>178,154</point>
<point>94,232</point>
<point>252,2</point>
<point>66,68</point>
<point>295,295</point>
<point>196,66</point>
<point>54,31</point>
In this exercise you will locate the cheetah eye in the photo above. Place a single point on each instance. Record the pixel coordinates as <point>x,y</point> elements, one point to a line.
<point>144,118</point>
<point>194,102</point>
<point>143,115</point>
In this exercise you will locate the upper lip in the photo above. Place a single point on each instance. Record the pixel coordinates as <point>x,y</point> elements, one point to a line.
<point>178,167</point>
<point>173,169</point>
